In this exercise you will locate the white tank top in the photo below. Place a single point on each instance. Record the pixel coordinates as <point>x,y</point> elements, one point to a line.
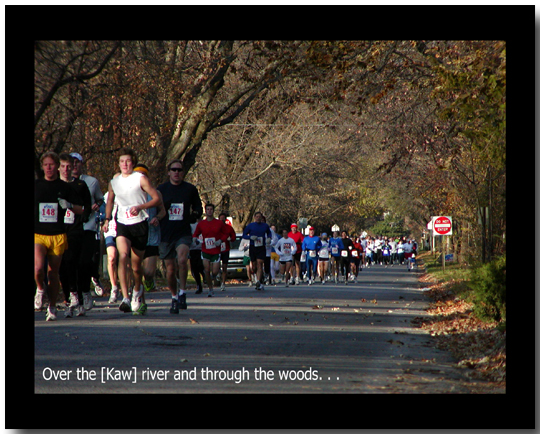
<point>128,193</point>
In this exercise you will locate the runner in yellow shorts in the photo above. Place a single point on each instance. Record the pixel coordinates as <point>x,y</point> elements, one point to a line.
<point>52,198</point>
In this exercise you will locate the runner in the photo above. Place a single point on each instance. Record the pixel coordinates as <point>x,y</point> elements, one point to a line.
<point>225,249</point>
<point>356,258</point>
<point>244,247</point>
<point>183,206</point>
<point>112,252</point>
<point>346,255</point>
<point>336,246</point>
<point>324,257</point>
<point>52,197</point>
<point>407,254</point>
<point>311,245</point>
<point>151,253</point>
<point>285,248</point>
<point>260,236</point>
<point>297,236</point>
<point>130,190</point>
<point>195,260</point>
<point>69,276</point>
<point>214,233</point>
<point>90,255</point>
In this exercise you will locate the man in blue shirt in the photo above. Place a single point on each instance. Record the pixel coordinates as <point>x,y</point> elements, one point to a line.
<point>260,236</point>
<point>336,246</point>
<point>311,246</point>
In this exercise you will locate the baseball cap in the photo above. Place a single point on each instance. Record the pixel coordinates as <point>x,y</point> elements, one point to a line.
<point>311,228</point>
<point>294,225</point>
<point>77,156</point>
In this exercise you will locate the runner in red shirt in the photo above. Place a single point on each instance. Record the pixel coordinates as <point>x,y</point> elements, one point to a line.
<point>225,250</point>
<point>298,238</point>
<point>214,233</point>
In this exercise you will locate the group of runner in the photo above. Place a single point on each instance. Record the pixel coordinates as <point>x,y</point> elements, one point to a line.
<point>338,258</point>
<point>143,223</point>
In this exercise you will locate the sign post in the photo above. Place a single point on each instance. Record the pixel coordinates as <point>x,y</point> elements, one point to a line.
<point>442,225</point>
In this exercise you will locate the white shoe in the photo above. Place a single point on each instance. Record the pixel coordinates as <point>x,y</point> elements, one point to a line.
<point>97,287</point>
<point>87,300</point>
<point>51,314</point>
<point>74,303</point>
<point>136,301</point>
<point>114,295</point>
<point>38,300</point>
<point>222,286</point>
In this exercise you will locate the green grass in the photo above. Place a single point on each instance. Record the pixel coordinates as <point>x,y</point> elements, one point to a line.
<point>452,270</point>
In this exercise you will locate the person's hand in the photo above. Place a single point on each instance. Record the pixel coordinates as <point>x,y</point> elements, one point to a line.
<point>64,204</point>
<point>217,243</point>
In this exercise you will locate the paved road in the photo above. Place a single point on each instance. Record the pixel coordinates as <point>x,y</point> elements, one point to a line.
<point>359,338</point>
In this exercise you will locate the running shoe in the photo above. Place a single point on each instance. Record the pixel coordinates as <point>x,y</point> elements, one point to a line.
<point>258,286</point>
<point>125,306</point>
<point>210,293</point>
<point>74,302</point>
<point>98,287</point>
<point>182,301</point>
<point>136,301</point>
<point>38,300</point>
<point>199,290</point>
<point>149,285</point>
<point>114,295</point>
<point>51,314</point>
<point>262,287</point>
<point>141,310</point>
<point>87,300</point>
<point>175,306</point>
<point>80,310</point>
<point>223,286</point>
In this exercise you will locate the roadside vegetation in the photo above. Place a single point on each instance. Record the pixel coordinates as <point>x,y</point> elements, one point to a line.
<point>468,314</point>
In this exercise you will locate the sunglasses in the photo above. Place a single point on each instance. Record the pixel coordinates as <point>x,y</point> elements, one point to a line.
<point>177,169</point>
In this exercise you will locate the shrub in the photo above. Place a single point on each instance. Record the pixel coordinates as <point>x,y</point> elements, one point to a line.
<point>488,283</point>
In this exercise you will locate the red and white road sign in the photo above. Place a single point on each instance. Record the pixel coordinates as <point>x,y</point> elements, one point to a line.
<point>442,225</point>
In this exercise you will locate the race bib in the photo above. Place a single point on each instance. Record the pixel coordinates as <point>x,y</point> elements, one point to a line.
<point>69,218</point>
<point>312,253</point>
<point>258,242</point>
<point>210,243</point>
<point>287,251</point>
<point>344,253</point>
<point>355,253</point>
<point>125,212</point>
<point>303,257</point>
<point>323,253</point>
<point>176,211</point>
<point>48,212</point>
<point>334,250</point>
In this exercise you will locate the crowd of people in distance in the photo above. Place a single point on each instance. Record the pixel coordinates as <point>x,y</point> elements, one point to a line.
<point>300,258</point>
<point>142,224</point>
